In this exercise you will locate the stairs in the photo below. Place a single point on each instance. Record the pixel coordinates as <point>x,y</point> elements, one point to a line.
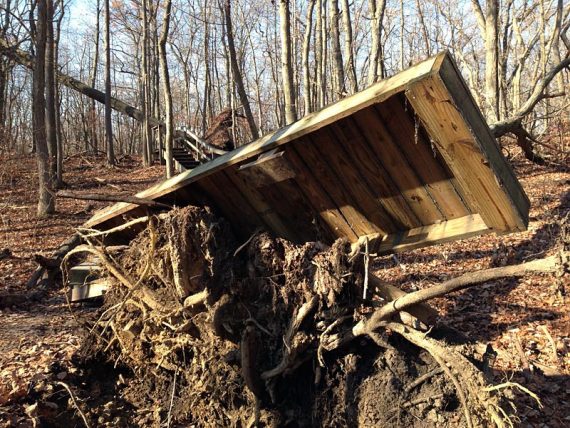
<point>184,159</point>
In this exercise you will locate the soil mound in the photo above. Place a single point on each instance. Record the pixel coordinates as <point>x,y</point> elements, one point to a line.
<point>197,330</point>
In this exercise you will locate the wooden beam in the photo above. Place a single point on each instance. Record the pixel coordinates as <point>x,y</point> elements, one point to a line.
<point>450,230</point>
<point>90,290</point>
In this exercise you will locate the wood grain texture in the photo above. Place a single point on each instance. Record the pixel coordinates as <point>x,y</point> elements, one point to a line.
<point>446,231</point>
<point>385,146</point>
<point>425,160</point>
<point>462,153</point>
<point>375,93</point>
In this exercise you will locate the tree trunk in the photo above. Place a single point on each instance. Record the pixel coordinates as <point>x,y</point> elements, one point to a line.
<point>166,90</point>
<point>237,73</point>
<point>319,56</point>
<point>286,62</point>
<point>348,48</point>
<point>59,133</point>
<point>145,93</point>
<point>376,66</point>
<point>108,110</point>
<point>93,80</point>
<point>338,86</point>
<point>51,131</point>
<point>46,202</point>
<point>492,59</point>
<point>305,59</point>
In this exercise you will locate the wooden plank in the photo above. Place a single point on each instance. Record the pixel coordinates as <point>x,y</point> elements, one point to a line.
<point>462,152</point>
<point>84,272</point>
<point>337,158</point>
<point>319,198</point>
<point>422,158</point>
<point>259,204</point>
<point>470,113</point>
<point>375,93</point>
<point>90,290</point>
<point>374,173</point>
<point>383,144</point>
<point>267,169</point>
<point>446,231</point>
<point>336,188</point>
<point>232,205</point>
<point>288,200</point>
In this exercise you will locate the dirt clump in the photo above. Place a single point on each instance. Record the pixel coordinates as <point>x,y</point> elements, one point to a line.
<point>207,332</point>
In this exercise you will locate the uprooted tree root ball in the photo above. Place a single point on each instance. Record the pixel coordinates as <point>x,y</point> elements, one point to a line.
<point>212,332</point>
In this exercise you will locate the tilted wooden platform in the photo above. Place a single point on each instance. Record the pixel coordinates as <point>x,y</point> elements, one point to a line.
<point>408,162</point>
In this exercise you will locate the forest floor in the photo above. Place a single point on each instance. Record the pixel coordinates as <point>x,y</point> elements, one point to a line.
<point>526,320</point>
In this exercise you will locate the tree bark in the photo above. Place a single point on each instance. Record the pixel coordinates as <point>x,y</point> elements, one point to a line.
<point>319,56</point>
<point>238,80</point>
<point>306,47</point>
<point>286,62</point>
<point>492,58</point>
<point>348,48</point>
<point>336,52</point>
<point>166,90</point>
<point>376,66</point>
<point>51,131</point>
<point>145,93</point>
<point>108,110</point>
<point>93,79</point>
<point>46,202</point>
<point>57,89</point>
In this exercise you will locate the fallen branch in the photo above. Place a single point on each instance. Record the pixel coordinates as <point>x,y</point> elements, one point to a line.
<point>112,198</point>
<point>46,275</point>
<point>92,233</point>
<point>547,265</point>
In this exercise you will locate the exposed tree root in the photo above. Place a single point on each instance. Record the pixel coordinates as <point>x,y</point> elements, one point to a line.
<point>268,326</point>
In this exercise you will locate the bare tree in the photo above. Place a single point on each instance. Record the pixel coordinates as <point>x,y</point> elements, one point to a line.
<point>165,78</point>
<point>338,68</point>
<point>50,85</point>
<point>93,79</point>
<point>286,62</point>
<point>348,48</point>
<point>305,60</point>
<point>376,65</point>
<point>46,202</point>
<point>145,83</point>
<point>108,109</point>
<point>236,73</point>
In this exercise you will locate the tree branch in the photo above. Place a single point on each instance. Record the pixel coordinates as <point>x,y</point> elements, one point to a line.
<point>513,123</point>
<point>549,265</point>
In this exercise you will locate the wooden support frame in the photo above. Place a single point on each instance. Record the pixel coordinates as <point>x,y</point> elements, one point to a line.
<point>450,230</point>
<point>472,191</point>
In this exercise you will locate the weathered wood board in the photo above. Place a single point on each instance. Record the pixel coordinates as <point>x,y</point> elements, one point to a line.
<point>406,163</point>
